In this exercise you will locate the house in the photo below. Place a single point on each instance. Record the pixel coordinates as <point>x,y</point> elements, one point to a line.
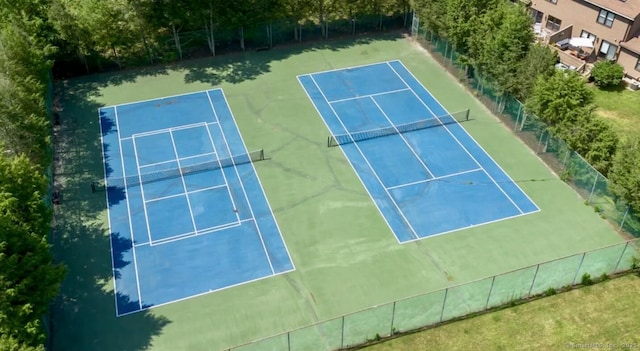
<point>612,25</point>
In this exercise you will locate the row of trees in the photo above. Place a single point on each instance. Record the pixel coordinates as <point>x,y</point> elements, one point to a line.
<point>129,31</point>
<point>495,38</point>
<point>29,279</point>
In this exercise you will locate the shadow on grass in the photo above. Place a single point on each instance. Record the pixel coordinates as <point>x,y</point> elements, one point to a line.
<point>612,88</point>
<point>84,315</point>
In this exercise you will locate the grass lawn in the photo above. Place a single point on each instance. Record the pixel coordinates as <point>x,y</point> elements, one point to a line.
<point>602,315</point>
<point>621,107</point>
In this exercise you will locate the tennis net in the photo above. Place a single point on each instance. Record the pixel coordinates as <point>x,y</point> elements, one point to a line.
<point>144,178</point>
<point>340,139</point>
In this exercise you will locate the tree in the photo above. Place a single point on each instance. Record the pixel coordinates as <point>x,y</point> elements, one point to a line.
<point>500,43</point>
<point>607,73</point>
<point>556,98</point>
<point>591,137</point>
<point>28,278</point>
<point>625,174</point>
<point>24,125</point>
<point>539,62</point>
<point>462,19</point>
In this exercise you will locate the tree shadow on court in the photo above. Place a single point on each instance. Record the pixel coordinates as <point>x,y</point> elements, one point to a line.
<point>239,67</point>
<point>83,317</point>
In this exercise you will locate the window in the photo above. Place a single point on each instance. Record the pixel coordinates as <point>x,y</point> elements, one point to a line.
<point>638,65</point>
<point>553,23</point>
<point>605,17</point>
<point>553,1</point>
<point>585,34</point>
<point>607,50</point>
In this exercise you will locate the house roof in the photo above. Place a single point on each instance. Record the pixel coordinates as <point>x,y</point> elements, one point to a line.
<point>628,9</point>
<point>632,44</point>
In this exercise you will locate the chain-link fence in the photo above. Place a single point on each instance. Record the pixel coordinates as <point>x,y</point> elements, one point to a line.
<point>453,302</point>
<point>592,186</point>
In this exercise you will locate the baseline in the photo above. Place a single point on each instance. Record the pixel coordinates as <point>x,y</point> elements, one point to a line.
<point>457,140</point>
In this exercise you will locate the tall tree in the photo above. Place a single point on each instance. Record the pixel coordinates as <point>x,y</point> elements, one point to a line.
<point>625,174</point>
<point>538,62</point>
<point>28,278</point>
<point>499,44</point>
<point>554,98</point>
<point>24,127</point>
<point>462,20</point>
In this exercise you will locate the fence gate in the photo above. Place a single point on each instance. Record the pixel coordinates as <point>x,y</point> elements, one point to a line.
<point>415,24</point>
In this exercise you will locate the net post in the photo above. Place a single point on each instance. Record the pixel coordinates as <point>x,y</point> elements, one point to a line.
<point>261,154</point>
<point>466,117</point>
<point>329,141</point>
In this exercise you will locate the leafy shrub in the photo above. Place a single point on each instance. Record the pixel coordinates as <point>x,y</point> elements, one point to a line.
<point>607,73</point>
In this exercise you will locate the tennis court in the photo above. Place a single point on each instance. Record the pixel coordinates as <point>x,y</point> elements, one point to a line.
<point>426,174</point>
<point>187,212</point>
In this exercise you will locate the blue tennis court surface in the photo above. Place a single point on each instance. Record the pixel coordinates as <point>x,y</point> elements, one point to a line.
<point>425,182</point>
<point>187,212</point>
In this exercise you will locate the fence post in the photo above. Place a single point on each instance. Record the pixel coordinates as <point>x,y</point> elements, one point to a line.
<point>578,271</point>
<point>534,280</point>
<point>624,217</point>
<point>342,334</point>
<point>566,156</point>
<point>444,302</point>
<point>620,258</point>
<point>486,305</point>
<point>515,124</point>
<point>540,142</point>
<point>393,317</point>
<point>593,188</point>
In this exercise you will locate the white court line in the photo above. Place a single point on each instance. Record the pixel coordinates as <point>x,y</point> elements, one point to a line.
<point>244,146</point>
<point>184,184</point>
<point>341,69</point>
<point>266,252</point>
<point>209,292</point>
<point>180,159</point>
<point>224,176</point>
<point>468,227</point>
<point>126,195</point>
<point>434,178</point>
<point>457,141</point>
<point>403,138</point>
<point>205,231</point>
<point>367,161</point>
<point>144,202</point>
<point>166,130</point>
<point>106,195</point>
<point>157,98</point>
<point>368,96</point>
<point>169,130</point>
<point>465,131</point>
<point>181,194</point>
